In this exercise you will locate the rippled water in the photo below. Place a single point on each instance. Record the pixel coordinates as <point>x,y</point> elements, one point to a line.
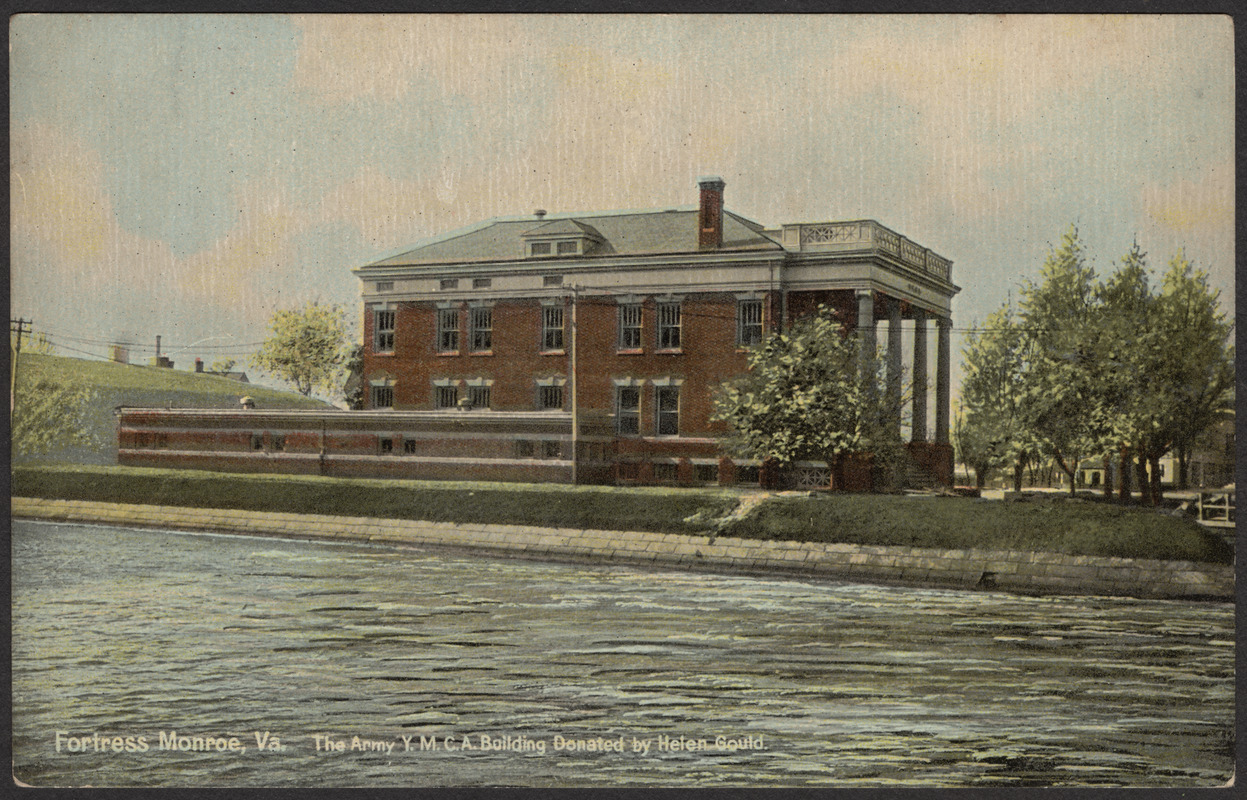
<point>128,633</point>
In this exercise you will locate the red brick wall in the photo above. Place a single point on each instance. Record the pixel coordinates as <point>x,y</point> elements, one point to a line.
<point>707,357</point>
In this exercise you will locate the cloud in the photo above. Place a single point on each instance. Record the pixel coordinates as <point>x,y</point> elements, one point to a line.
<point>383,57</point>
<point>74,267</point>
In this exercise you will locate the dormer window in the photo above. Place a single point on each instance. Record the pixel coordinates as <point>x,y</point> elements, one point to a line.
<point>561,237</point>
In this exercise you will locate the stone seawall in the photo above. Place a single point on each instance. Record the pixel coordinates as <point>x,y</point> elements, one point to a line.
<point>1022,572</point>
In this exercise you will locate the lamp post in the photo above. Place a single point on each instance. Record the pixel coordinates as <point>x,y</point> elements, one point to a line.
<point>574,386</point>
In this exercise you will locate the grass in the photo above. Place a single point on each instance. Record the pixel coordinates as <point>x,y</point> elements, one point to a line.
<point>134,385</point>
<point>1057,525</point>
<point>546,505</point>
<point>954,523</point>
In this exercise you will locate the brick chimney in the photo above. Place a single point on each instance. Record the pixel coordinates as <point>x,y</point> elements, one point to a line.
<point>710,214</point>
<point>199,365</point>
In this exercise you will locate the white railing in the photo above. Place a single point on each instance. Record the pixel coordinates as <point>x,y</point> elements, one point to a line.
<point>1216,508</point>
<point>867,235</point>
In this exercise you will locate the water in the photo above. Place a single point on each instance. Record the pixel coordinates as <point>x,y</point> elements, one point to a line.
<point>132,633</point>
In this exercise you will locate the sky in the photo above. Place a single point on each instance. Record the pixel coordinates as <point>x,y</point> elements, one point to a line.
<point>187,175</point>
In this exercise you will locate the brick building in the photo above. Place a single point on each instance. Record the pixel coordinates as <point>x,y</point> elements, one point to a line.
<point>634,317</point>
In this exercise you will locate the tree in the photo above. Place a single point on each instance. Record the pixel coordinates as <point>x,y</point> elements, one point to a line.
<point>1199,364</point>
<point>49,416</point>
<point>307,347</point>
<point>1062,395</point>
<point>806,397</point>
<point>223,365</point>
<point>992,429</point>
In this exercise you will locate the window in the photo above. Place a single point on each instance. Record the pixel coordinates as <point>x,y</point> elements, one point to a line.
<point>667,410</point>
<point>383,397</point>
<point>665,472</point>
<point>385,446</point>
<point>540,248</point>
<point>384,333</point>
<point>482,333</point>
<point>668,326</point>
<point>478,396</point>
<point>446,396</point>
<point>448,330</point>
<point>524,448</point>
<point>448,283</point>
<point>551,327</point>
<point>385,286</point>
<point>551,449</point>
<point>279,441</point>
<point>706,473</point>
<point>550,397</point>
<point>552,280</point>
<point>409,447</point>
<point>482,283</point>
<point>628,409</point>
<point>748,322</point>
<point>748,475</point>
<point>257,441</point>
<point>630,326</point>
<point>566,248</point>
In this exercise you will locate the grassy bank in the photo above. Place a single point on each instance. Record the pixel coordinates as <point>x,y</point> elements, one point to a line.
<point>137,385</point>
<point>548,505</point>
<point>1057,525</point>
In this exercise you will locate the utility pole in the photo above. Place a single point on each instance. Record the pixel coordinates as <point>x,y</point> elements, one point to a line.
<point>18,326</point>
<point>574,386</point>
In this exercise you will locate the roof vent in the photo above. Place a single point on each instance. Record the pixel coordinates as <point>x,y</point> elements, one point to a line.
<point>540,213</point>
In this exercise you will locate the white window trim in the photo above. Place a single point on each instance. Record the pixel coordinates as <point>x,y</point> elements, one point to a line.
<point>552,381</point>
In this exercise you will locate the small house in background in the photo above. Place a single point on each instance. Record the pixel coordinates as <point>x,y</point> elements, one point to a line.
<point>119,354</point>
<point>233,375</point>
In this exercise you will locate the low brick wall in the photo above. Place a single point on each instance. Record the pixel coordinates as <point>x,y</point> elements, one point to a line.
<point>1022,572</point>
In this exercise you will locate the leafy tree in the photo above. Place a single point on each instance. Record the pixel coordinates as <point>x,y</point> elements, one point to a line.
<point>1198,350</point>
<point>1059,391</point>
<point>806,397</point>
<point>49,416</point>
<point>223,365</point>
<point>307,347</point>
<point>1132,401</point>
<point>992,429</point>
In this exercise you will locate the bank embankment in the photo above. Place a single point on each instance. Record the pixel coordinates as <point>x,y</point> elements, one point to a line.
<point>1028,572</point>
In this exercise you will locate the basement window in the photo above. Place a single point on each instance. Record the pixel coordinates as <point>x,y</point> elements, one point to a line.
<point>448,283</point>
<point>383,397</point>
<point>446,396</point>
<point>550,397</point>
<point>478,396</point>
<point>385,447</point>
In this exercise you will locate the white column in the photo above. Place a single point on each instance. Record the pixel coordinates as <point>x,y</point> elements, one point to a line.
<point>894,358</point>
<point>918,421</point>
<point>866,325</point>
<point>944,327</point>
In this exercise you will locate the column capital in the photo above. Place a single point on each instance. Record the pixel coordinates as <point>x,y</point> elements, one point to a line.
<point>944,323</point>
<point>860,293</point>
